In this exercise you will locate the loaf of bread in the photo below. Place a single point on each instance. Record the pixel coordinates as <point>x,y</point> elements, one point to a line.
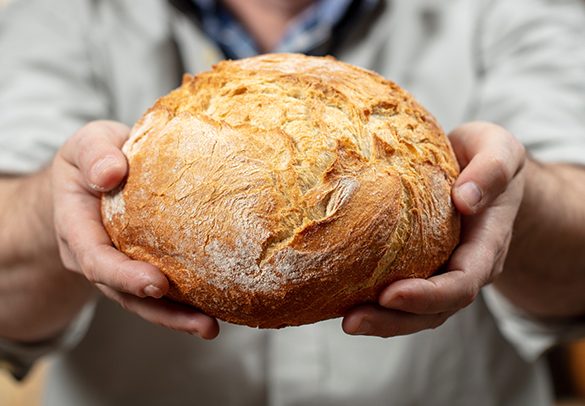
<point>283,189</point>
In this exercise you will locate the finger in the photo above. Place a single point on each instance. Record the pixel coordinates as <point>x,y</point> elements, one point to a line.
<point>491,157</point>
<point>376,321</point>
<point>474,263</point>
<point>96,151</point>
<point>67,258</point>
<point>468,270</point>
<point>80,229</point>
<point>166,313</point>
<point>450,291</point>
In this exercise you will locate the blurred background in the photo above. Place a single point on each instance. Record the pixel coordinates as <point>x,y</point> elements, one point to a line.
<point>567,368</point>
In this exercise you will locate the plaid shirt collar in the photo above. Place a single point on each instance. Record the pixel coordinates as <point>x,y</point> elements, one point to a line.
<point>311,29</point>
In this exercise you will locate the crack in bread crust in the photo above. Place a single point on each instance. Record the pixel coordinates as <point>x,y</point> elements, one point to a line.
<point>284,189</point>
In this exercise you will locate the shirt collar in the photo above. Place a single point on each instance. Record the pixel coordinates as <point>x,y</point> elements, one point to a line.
<point>309,30</point>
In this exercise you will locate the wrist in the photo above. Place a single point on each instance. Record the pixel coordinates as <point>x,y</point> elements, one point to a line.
<point>39,297</point>
<point>543,272</point>
<point>532,213</point>
<point>27,232</point>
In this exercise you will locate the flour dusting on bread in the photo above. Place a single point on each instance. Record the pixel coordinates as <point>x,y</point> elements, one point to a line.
<point>284,189</point>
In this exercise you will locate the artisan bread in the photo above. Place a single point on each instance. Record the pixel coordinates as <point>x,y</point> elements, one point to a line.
<point>283,189</point>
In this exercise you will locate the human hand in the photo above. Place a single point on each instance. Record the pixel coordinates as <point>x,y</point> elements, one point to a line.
<point>487,193</point>
<point>88,164</point>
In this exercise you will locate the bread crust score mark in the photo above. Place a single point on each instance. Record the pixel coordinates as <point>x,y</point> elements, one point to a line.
<point>283,189</point>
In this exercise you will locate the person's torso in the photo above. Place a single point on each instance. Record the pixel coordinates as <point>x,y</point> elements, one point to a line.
<point>141,52</point>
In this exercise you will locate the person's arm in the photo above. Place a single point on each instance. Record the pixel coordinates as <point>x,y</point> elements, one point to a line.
<point>531,81</point>
<point>487,193</point>
<point>544,272</point>
<point>38,296</point>
<point>44,74</point>
<point>52,225</point>
<point>90,163</point>
<point>50,86</point>
<point>537,257</point>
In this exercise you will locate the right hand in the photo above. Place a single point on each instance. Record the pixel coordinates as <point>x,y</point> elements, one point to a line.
<point>89,164</point>
<point>492,162</point>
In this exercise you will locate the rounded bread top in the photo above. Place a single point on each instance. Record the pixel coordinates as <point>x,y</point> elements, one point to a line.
<point>283,189</point>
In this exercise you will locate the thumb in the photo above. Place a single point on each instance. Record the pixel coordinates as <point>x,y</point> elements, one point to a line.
<point>96,151</point>
<point>490,157</point>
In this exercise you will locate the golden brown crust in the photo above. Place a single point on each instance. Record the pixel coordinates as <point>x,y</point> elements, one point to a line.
<point>283,189</point>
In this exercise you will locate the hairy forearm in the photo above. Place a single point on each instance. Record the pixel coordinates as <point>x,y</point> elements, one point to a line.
<point>545,268</point>
<point>38,297</point>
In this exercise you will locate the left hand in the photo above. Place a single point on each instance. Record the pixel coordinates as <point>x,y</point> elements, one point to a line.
<point>487,193</point>
<point>88,164</point>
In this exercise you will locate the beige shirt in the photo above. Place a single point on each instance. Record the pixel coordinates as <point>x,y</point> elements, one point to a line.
<point>518,63</point>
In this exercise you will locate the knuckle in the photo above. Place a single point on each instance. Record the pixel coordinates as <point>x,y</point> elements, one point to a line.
<point>67,259</point>
<point>501,172</point>
<point>501,249</point>
<point>124,302</point>
<point>499,262</point>
<point>68,264</point>
<point>434,295</point>
<point>62,240</point>
<point>81,136</point>
<point>84,158</point>
<point>519,149</point>
<point>498,268</point>
<point>93,126</point>
<point>85,142</point>
<point>123,279</point>
<point>113,126</point>
<point>127,280</point>
<point>77,136</point>
<point>111,131</point>
<point>88,268</point>
<point>499,254</point>
<point>469,295</point>
<point>59,226</point>
<point>487,252</point>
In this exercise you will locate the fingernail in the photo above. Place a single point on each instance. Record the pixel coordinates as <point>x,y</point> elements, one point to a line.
<point>470,193</point>
<point>364,327</point>
<point>101,166</point>
<point>153,291</point>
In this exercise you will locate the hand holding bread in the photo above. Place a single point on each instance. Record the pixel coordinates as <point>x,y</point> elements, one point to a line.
<point>284,189</point>
<point>276,192</point>
<point>487,193</point>
<point>89,163</point>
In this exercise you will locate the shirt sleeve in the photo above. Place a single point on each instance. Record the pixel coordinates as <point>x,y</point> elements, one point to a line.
<point>530,336</point>
<point>49,86</point>
<point>18,358</point>
<point>531,65</point>
<point>532,72</point>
